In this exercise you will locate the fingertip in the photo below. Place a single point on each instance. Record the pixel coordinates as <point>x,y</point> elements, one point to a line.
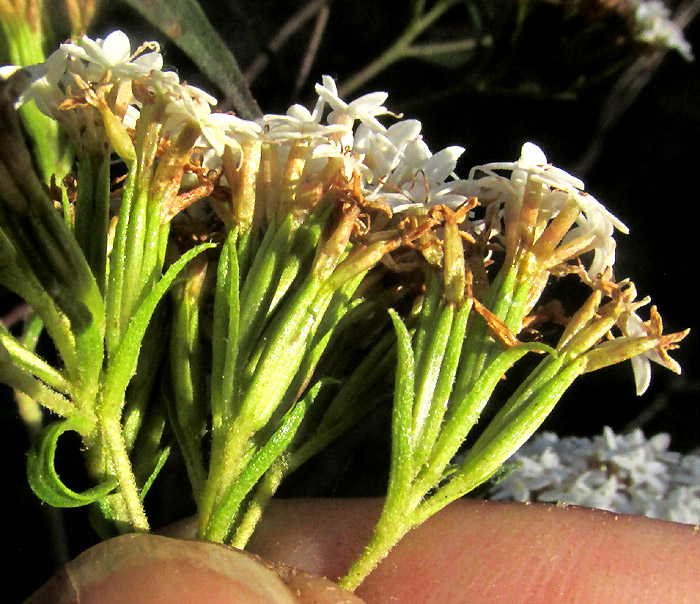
<point>539,553</point>
<point>490,550</point>
<point>149,569</point>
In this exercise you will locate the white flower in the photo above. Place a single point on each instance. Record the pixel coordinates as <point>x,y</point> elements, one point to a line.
<point>559,186</point>
<point>298,123</point>
<point>164,83</point>
<point>113,54</point>
<point>352,162</point>
<point>218,129</point>
<point>405,174</point>
<point>365,108</point>
<point>428,184</point>
<point>633,326</point>
<point>385,152</point>
<point>654,26</point>
<point>627,474</point>
<point>42,82</point>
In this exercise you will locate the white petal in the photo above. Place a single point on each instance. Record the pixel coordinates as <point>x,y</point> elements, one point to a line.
<point>329,93</point>
<point>532,155</point>
<point>7,70</point>
<point>642,373</point>
<point>149,62</point>
<point>117,47</point>
<point>198,94</point>
<point>442,164</point>
<point>300,113</point>
<point>371,102</point>
<point>74,50</point>
<point>403,132</point>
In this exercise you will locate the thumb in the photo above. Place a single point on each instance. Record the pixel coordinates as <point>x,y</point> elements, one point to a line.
<point>149,569</point>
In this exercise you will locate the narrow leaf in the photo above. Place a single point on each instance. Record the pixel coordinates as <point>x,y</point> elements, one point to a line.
<point>42,475</point>
<point>27,360</point>
<point>225,515</point>
<point>123,364</point>
<point>160,460</point>
<point>402,418</point>
<point>225,330</point>
<point>185,23</point>
<point>21,379</point>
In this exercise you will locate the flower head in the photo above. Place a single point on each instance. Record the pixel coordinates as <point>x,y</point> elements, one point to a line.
<point>633,327</point>
<point>113,55</point>
<point>653,25</point>
<point>594,221</point>
<point>365,109</point>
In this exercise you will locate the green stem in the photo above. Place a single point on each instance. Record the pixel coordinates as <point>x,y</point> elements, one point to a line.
<point>230,453</point>
<point>399,49</point>
<point>388,532</point>
<point>263,493</point>
<point>121,467</point>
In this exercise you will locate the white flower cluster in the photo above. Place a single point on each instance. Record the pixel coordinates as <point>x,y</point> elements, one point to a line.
<point>395,164</point>
<point>627,474</point>
<point>558,187</point>
<point>654,26</point>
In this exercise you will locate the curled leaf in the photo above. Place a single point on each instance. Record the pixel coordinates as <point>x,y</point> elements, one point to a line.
<point>42,475</point>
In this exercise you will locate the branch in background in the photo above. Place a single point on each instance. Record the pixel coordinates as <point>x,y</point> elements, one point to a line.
<point>419,23</point>
<point>627,89</point>
<point>18,314</point>
<point>292,26</point>
<point>312,49</point>
<point>436,48</point>
<point>185,23</point>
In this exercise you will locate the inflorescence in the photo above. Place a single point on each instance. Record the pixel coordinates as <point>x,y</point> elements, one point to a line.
<point>281,239</point>
<point>390,167</point>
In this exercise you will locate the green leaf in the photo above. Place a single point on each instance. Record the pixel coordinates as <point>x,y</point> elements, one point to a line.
<point>261,282</point>
<point>187,394</point>
<point>123,364</point>
<point>26,360</point>
<point>358,395</point>
<point>42,475</point>
<point>92,213</point>
<point>16,275</point>
<point>441,396</point>
<point>185,23</point>
<point>429,366</point>
<point>227,510</point>
<point>327,326</point>
<point>20,378</point>
<point>404,394</point>
<point>282,349</point>
<point>160,460</point>
<point>225,331</point>
<point>496,445</point>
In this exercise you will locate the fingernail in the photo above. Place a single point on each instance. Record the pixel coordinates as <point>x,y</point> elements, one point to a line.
<point>139,568</point>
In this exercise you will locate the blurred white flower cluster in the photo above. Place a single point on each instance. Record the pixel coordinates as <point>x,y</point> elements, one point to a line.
<point>627,474</point>
<point>655,26</point>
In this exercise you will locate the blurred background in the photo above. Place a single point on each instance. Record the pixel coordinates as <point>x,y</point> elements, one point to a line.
<point>570,76</point>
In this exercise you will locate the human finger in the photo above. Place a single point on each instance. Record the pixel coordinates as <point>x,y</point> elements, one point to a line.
<point>151,569</point>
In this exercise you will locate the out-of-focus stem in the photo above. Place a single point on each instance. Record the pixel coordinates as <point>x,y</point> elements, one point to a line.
<point>398,50</point>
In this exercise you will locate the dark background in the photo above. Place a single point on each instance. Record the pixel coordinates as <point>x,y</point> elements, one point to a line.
<point>545,87</point>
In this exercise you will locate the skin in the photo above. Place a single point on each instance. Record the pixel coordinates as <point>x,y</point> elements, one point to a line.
<point>470,552</point>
